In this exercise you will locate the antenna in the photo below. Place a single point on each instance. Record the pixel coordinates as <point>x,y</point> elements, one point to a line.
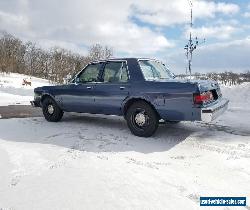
<point>192,44</point>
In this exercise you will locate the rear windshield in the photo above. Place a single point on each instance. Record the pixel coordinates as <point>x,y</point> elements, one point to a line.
<point>154,70</point>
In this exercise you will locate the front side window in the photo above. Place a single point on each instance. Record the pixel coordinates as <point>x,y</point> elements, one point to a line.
<point>154,70</point>
<point>115,72</point>
<point>89,74</point>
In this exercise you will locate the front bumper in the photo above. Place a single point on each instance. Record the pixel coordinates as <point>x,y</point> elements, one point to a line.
<point>35,103</point>
<point>210,113</point>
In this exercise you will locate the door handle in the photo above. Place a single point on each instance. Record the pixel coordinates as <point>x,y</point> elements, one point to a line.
<point>122,88</point>
<point>89,87</point>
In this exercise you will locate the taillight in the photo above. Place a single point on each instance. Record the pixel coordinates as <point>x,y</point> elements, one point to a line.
<point>203,97</point>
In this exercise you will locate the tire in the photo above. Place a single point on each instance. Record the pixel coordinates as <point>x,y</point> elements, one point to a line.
<point>51,110</point>
<point>141,119</point>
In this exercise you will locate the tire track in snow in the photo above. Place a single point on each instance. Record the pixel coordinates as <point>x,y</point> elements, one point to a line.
<point>224,128</point>
<point>233,151</point>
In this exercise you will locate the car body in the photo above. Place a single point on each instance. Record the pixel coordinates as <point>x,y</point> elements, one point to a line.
<point>112,86</point>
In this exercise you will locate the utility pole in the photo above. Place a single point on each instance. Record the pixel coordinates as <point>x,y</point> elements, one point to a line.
<point>192,44</point>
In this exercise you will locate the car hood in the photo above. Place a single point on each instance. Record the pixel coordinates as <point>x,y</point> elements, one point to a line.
<point>45,88</point>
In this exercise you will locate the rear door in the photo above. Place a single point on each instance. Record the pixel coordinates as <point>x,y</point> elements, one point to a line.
<point>113,88</point>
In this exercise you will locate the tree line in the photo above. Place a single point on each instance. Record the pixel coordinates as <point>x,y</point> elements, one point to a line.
<point>227,77</point>
<point>54,64</point>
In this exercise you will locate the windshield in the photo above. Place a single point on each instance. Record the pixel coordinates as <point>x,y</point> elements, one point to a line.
<point>154,70</point>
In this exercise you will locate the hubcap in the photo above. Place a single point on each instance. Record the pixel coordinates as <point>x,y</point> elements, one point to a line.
<point>140,119</point>
<point>50,109</point>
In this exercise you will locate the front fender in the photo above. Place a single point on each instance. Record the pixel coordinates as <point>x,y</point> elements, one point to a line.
<point>46,94</point>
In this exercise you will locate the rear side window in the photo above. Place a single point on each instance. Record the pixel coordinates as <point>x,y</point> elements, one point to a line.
<point>115,72</point>
<point>154,70</point>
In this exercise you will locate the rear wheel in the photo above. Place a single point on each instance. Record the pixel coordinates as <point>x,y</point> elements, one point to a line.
<point>142,120</point>
<point>51,110</point>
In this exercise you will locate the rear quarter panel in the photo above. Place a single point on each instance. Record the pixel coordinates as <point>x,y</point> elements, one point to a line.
<point>172,100</point>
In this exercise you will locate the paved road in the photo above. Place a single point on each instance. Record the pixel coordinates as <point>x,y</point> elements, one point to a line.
<point>19,111</point>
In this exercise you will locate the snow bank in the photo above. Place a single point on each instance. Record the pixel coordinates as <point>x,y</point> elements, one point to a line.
<point>238,114</point>
<point>13,92</point>
<point>239,95</point>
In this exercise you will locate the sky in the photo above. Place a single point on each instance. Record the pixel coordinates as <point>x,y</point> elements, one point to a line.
<point>138,28</point>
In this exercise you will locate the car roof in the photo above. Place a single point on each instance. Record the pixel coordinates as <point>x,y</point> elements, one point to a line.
<point>121,59</point>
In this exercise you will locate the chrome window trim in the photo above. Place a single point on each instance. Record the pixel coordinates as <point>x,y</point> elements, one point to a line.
<point>102,61</point>
<point>149,59</point>
<point>79,72</point>
<point>120,60</point>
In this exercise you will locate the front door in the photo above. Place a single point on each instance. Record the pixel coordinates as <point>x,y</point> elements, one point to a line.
<point>79,95</point>
<point>114,88</point>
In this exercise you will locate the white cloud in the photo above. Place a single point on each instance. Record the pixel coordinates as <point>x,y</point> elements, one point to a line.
<point>218,32</point>
<point>47,44</point>
<point>246,14</point>
<point>228,56</point>
<point>231,56</point>
<point>227,9</point>
<point>126,37</point>
<point>11,21</point>
<point>168,12</point>
<point>81,24</point>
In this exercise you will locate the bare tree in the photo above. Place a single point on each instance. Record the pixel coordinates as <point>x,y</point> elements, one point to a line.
<point>54,64</point>
<point>97,52</point>
<point>11,54</point>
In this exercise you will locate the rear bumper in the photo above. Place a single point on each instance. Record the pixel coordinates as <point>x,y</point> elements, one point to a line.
<point>212,112</point>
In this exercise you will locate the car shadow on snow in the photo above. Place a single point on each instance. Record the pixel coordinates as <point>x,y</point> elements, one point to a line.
<point>100,133</point>
<point>95,133</point>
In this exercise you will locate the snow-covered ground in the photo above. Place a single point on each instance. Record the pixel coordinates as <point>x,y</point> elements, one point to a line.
<point>12,92</point>
<point>93,162</point>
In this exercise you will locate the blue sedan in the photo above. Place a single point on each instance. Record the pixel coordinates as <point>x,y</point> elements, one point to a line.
<point>142,90</point>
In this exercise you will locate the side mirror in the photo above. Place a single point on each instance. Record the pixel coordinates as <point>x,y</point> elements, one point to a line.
<point>77,80</point>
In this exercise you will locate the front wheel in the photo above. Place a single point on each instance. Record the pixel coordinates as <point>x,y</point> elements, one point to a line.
<point>51,110</point>
<point>142,120</point>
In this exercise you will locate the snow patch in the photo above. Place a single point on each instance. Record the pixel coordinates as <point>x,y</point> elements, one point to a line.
<point>13,92</point>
